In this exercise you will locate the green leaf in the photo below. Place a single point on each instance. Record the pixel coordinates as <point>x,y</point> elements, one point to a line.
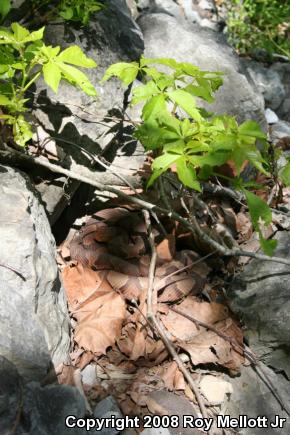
<point>4,101</point>
<point>153,108</point>
<point>75,56</point>
<point>144,92</point>
<point>66,13</point>
<point>200,91</point>
<point>224,142</point>
<point>52,75</point>
<point>6,37</point>
<point>186,102</point>
<point>194,147</point>
<point>5,7</point>
<point>165,161</point>
<point>284,174</point>
<point>212,159</point>
<point>261,215</point>
<point>268,246</point>
<point>21,34</point>
<point>127,72</point>
<point>50,52</point>
<point>187,174</point>
<point>239,156</point>
<point>22,132</point>
<point>251,128</point>
<point>77,77</point>
<point>153,177</point>
<point>259,210</point>
<point>172,63</point>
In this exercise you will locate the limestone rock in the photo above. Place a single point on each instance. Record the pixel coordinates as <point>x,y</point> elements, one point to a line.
<point>77,122</point>
<point>34,324</point>
<point>260,296</point>
<point>253,398</point>
<point>164,36</point>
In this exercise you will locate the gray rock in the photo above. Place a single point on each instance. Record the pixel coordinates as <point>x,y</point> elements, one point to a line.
<point>156,431</point>
<point>274,83</point>
<point>31,409</point>
<point>79,124</point>
<point>279,130</point>
<point>271,116</point>
<point>34,324</point>
<point>164,36</point>
<point>253,398</point>
<point>10,395</point>
<point>260,296</point>
<point>107,408</point>
<point>56,194</point>
<point>169,7</point>
<point>47,408</point>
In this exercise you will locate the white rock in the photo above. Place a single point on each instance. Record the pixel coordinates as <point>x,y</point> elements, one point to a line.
<point>89,375</point>
<point>156,431</point>
<point>271,116</point>
<point>206,5</point>
<point>215,389</point>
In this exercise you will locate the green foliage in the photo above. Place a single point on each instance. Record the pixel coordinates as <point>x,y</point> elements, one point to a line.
<point>78,10</point>
<point>5,6</point>
<point>70,10</point>
<point>284,174</point>
<point>23,59</point>
<point>259,24</point>
<point>261,217</point>
<point>188,140</point>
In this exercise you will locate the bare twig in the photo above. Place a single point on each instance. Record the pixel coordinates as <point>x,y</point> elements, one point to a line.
<point>193,225</point>
<point>159,327</point>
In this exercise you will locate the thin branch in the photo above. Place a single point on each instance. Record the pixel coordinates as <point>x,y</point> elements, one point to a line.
<point>158,326</point>
<point>193,225</point>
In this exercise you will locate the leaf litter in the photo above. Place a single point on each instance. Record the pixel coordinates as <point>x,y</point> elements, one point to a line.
<point>106,280</point>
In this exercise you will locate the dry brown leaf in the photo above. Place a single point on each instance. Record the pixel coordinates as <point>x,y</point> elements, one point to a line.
<point>172,377</point>
<point>98,309</point>
<point>80,283</point>
<point>100,324</point>
<point>209,347</point>
<point>244,226</point>
<point>166,249</point>
<point>66,376</point>
<point>184,329</point>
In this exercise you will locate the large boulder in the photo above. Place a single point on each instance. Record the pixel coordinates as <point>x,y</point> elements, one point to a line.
<point>260,296</point>
<point>251,396</point>
<point>34,324</point>
<point>72,127</point>
<point>164,36</point>
<point>29,409</point>
<point>274,83</point>
<point>81,125</point>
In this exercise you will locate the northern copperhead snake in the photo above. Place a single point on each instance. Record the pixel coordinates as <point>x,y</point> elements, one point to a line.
<point>114,240</point>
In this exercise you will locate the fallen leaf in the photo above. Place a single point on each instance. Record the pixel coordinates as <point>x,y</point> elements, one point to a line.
<point>184,329</point>
<point>208,347</point>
